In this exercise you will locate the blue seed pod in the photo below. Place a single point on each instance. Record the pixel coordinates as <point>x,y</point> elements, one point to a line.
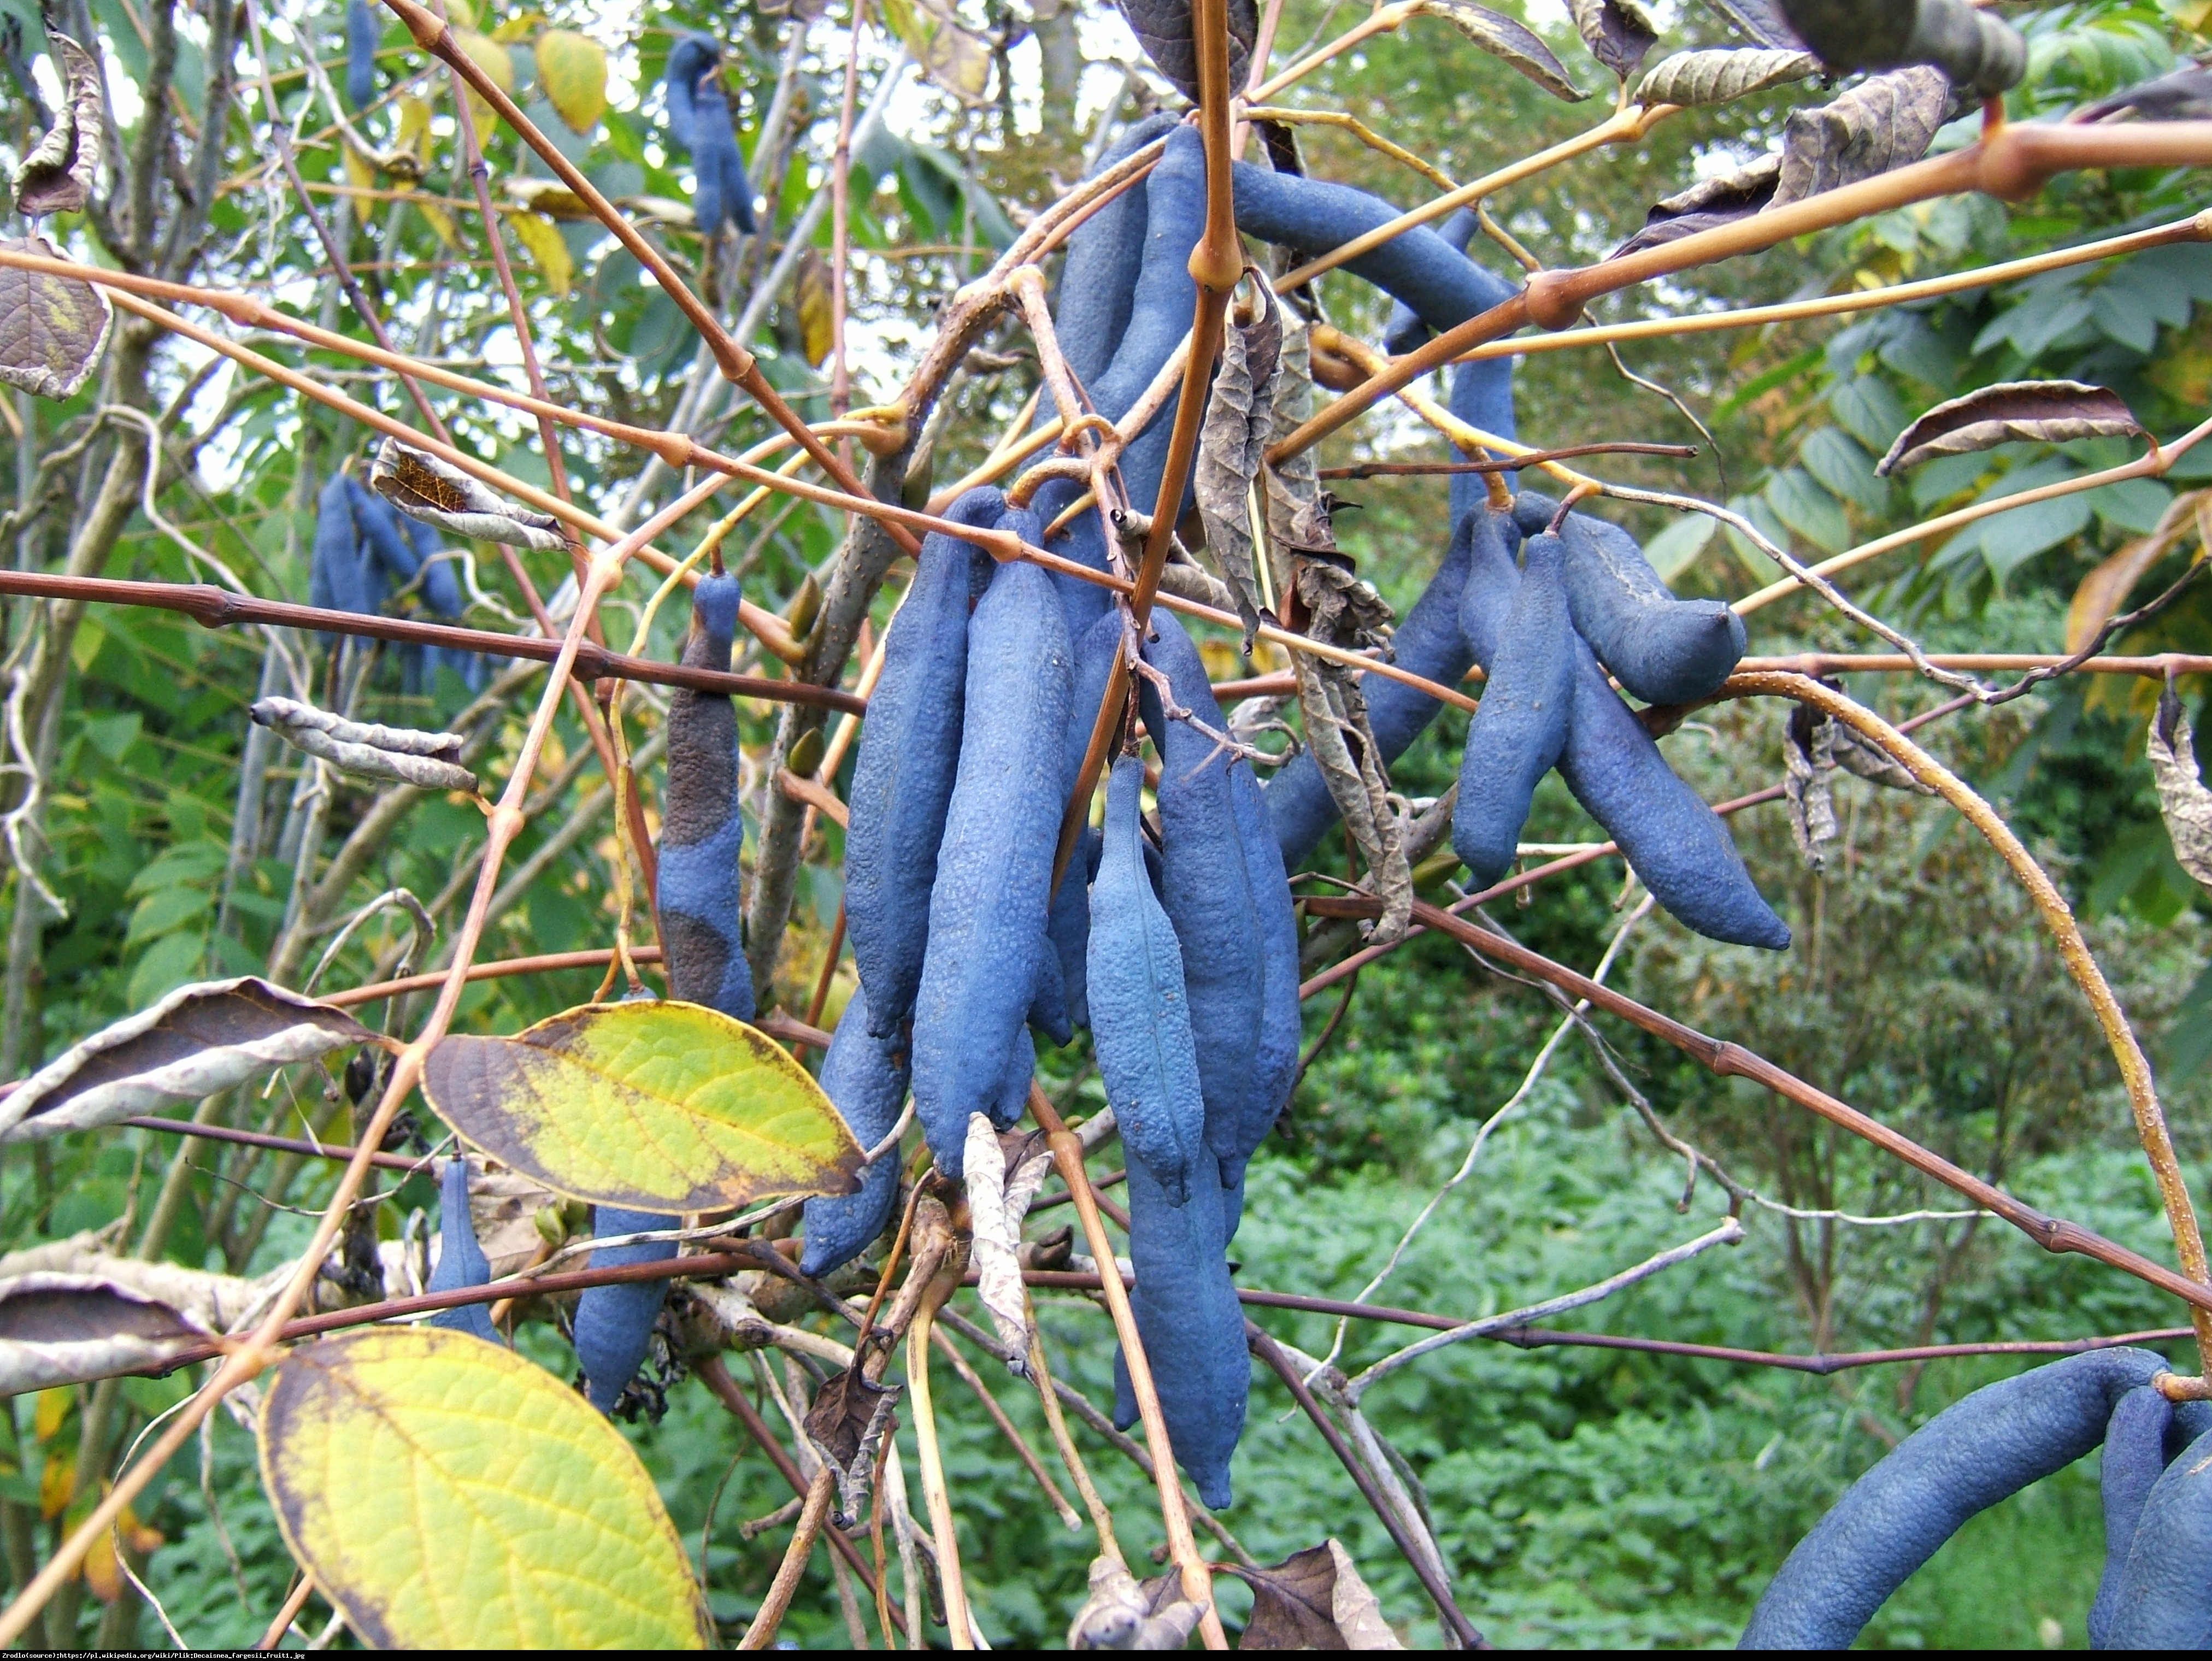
<point>1673,841</point>
<point>1191,1324</point>
<point>721,194</point>
<point>1520,727</point>
<point>1160,311</point>
<point>690,58</point>
<point>2164,1597</point>
<point>1098,281</point>
<point>988,904</point>
<point>702,830</point>
<point>1084,541</point>
<point>343,577</point>
<point>363,35</point>
<point>2135,1458</point>
<point>1408,330</point>
<point>461,1261</point>
<point>614,1323</point>
<point>1208,896</point>
<point>902,776</point>
<point>866,1076</point>
<point>1069,927</point>
<point>1275,1065</point>
<point>1482,396</point>
<point>1139,1018</point>
<point>399,546</point>
<point>1491,582</point>
<point>1011,1098</point>
<point>1663,650</point>
<point>1974,1453</point>
<point>1429,643</point>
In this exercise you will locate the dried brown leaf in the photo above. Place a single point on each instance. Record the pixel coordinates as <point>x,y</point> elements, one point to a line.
<point>1860,756</point>
<point>200,1038</point>
<point>1884,122</point>
<point>1510,43</point>
<point>428,761</point>
<point>1123,1612</point>
<point>1706,204</point>
<point>1162,29</point>
<point>425,487</point>
<point>2184,95</point>
<point>2182,797</point>
<point>850,1417</point>
<point>1618,32</point>
<point>1315,1600</point>
<point>1232,444</point>
<point>58,175</point>
<point>69,1329</point>
<point>51,328</point>
<point>1002,1181</point>
<point>1807,760</point>
<point>1761,19</point>
<point>1717,76</point>
<point>2016,411</point>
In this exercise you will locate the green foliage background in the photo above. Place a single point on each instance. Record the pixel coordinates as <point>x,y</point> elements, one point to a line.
<point>1584,1497</point>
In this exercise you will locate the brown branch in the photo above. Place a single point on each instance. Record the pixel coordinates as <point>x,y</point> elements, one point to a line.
<point>1509,464</point>
<point>216,607</point>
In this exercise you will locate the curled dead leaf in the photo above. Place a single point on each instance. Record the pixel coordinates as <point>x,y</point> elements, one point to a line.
<point>425,487</point>
<point>1232,442</point>
<point>58,175</point>
<point>428,761</point>
<point>1122,1613</point>
<point>1314,1599</point>
<point>1162,29</point>
<point>1884,122</point>
<point>2018,411</point>
<point>2183,801</point>
<point>1510,43</point>
<point>1618,33</point>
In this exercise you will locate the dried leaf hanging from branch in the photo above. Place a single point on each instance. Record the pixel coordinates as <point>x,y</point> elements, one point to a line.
<point>952,54</point>
<point>1719,77</point>
<point>1884,122</point>
<point>1002,1181</point>
<point>1233,443</point>
<point>199,1039</point>
<point>1123,1612</point>
<point>846,1425</point>
<point>1162,29</point>
<point>1618,32</point>
<point>51,328</point>
<point>1807,760</point>
<point>428,761</point>
<point>2182,800</point>
<point>2016,411</point>
<point>1509,42</point>
<point>1706,204</point>
<point>1315,1600</point>
<point>1762,20</point>
<point>58,175</point>
<point>424,487</point>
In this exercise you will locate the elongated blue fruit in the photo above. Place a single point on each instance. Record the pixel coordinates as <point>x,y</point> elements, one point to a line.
<point>1275,1066</point>
<point>903,776</point>
<point>363,35</point>
<point>1098,282</point>
<point>461,1261</point>
<point>1139,1018</point>
<point>2135,1458</point>
<point>1972,1455</point>
<point>1429,643</point>
<point>1209,898</point>
<point>690,58</point>
<point>1663,650</point>
<point>1519,728</point>
<point>2163,1600</point>
<point>614,1323</point>
<point>1427,273</point>
<point>400,545</point>
<point>721,194</point>
<point>1192,1325</point>
<point>702,832</point>
<point>1408,330</point>
<point>1069,927</point>
<point>1159,312</point>
<point>866,1076</point>
<point>342,578</point>
<point>1493,581</point>
<point>988,904</point>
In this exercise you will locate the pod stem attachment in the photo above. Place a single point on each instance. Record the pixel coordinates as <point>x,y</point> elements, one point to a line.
<point>1182,1547</point>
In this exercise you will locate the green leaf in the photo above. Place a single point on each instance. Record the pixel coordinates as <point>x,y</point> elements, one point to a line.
<point>572,69</point>
<point>1675,550</point>
<point>1809,510</point>
<point>444,1494</point>
<point>1845,469</point>
<point>666,1106</point>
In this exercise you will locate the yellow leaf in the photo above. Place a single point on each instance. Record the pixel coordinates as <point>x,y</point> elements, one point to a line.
<point>542,239</point>
<point>572,69</point>
<point>519,28</point>
<point>461,13</point>
<point>55,1483</point>
<point>950,53</point>
<point>549,196</point>
<point>667,1106</point>
<point>410,155</point>
<point>441,221</point>
<point>100,1572</point>
<point>497,63</point>
<point>812,284</point>
<point>360,171</point>
<point>443,1493</point>
<point>54,1407</point>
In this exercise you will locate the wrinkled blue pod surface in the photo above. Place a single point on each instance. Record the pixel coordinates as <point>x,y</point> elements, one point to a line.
<point>690,57</point>
<point>1966,1459</point>
<point>866,1077</point>
<point>364,33</point>
<point>1191,1324</point>
<point>1275,1067</point>
<point>614,1323</point>
<point>988,904</point>
<point>1207,895</point>
<point>1139,1019</point>
<point>461,1261</point>
<point>342,577</point>
<point>2163,1600</point>
<point>909,754</point>
<point>702,830</point>
<point>1519,728</point>
<point>1663,650</point>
